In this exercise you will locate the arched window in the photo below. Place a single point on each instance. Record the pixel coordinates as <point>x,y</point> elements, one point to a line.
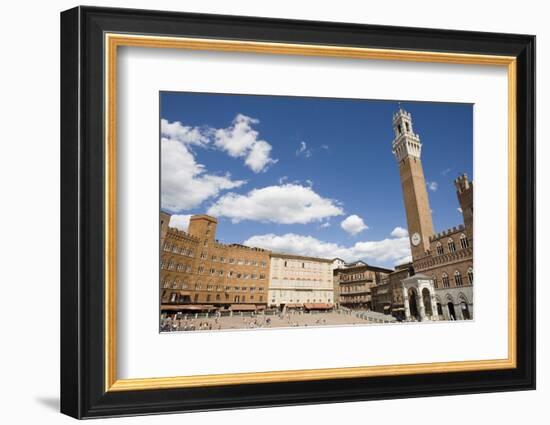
<point>445,280</point>
<point>471,276</point>
<point>458,278</point>
<point>434,277</point>
<point>439,248</point>
<point>166,282</point>
<point>451,245</point>
<point>176,284</point>
<point>464,243</point>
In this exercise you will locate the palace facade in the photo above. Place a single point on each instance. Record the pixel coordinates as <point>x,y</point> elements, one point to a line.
<point>300,282</point>
<point>197,273</point>
<point>355,282</point>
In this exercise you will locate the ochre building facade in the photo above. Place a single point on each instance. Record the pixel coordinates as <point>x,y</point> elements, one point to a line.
<point>197,273</point>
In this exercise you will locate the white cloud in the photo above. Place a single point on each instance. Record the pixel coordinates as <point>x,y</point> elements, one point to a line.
<point>459,210</point>
<point>432,186</point>
<point>258,157</point>
<point>399,232</point>
<point>353,225</point>
<point>388,251</point>
<point>283,179</point>
<point>285,204</point>
<point>445,171</point>
<point>240,140</point>
<point>303,150</point>
<point>325,225</point>
<point>185,184</point>
<point>325,147</point>
<point>184,134</point>
<point>180,221</point>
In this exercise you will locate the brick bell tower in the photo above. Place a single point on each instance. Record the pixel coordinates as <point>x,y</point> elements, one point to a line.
<point>406,147</point>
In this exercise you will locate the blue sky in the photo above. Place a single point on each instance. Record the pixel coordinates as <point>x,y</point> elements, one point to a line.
<point>285,172</point>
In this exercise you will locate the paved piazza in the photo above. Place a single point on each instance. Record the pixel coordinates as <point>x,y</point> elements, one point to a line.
<point>288,320</point>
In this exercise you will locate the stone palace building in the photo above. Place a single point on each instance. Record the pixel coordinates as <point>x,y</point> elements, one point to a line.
<point>438,284</point>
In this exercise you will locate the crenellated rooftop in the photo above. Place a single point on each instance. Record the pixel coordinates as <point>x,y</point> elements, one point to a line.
<point>446,233</point>
<point>181,235</point>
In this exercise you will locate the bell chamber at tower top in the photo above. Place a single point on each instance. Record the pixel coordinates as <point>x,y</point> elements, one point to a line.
<point>406,142</point>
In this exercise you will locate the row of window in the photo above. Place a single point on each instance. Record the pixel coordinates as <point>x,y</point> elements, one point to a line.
<point>171,265</point>
<point>170,247</point>
<point>232,274</point>
<point>168,283</point>
<point>355,299</point>
<point>236,298</point>
<point>304,265</point>
<point>354,288</point>
<point>274,300</point>
<point>238,261</point>
<point>464,243</point>
<point>457,279</point>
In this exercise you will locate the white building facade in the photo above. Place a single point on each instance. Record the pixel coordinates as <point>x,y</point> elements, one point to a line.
<point>298,281</point>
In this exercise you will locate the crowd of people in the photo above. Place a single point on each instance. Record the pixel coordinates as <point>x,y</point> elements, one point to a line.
<point>191,322</point>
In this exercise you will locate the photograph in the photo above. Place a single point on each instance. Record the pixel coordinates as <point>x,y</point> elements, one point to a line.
<point>288,211</point>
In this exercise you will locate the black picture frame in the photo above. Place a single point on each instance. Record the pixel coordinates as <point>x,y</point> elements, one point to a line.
<point>83,392</point>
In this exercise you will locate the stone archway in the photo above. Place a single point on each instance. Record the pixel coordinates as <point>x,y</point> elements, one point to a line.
<point>427,299</point>
<point>439,306</point>
<point>413,303</point>
<point>452,313</point>
<point>463,305</point>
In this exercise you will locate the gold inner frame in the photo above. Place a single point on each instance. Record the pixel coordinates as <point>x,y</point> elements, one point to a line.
<point>113,41</point>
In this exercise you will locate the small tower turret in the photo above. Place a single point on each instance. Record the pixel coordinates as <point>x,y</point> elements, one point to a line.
<point>204,228</point>
<point>465,194</point>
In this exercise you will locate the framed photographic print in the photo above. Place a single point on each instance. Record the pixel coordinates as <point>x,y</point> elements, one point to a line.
<point>261,212</point>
